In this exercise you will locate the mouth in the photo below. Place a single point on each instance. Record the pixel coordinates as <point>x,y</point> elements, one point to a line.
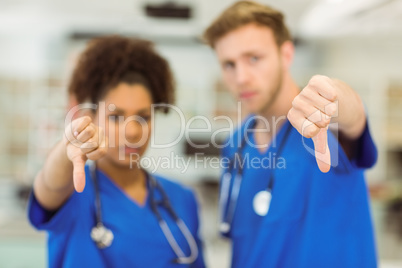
<point>247,95</point>
<point>129,150</point>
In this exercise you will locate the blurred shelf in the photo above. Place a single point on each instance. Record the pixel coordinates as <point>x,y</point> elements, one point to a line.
<point>33,109</point>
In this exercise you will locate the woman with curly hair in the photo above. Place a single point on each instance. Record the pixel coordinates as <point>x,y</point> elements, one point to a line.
<point>108,212</point>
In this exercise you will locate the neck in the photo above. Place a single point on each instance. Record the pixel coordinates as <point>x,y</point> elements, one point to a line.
<point>275,115</point>
<point>125,178</point>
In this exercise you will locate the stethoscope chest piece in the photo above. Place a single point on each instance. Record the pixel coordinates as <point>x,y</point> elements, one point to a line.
<point>261,202</point>
<point>102,236</point>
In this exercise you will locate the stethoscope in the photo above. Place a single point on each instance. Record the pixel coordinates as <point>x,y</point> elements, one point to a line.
<point>103,237</point>
<point>261,201</point>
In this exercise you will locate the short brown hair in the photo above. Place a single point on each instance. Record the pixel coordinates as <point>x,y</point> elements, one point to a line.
<point>245,12</point>
<point>111,60</point>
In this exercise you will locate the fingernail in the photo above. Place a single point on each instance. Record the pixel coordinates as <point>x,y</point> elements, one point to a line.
<point>76,133</point>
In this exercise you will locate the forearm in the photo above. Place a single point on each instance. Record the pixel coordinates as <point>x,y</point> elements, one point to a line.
<point>54,183</point>
<point>351,116</point>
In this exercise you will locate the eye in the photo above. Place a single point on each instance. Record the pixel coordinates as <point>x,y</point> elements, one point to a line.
<point>254,59</point>
<point>146,117</point>
<point>229,65</point>
<point>113,118</point>
<point>142,119</point>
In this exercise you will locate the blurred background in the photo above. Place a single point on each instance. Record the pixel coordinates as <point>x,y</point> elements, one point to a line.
<point>358,41</point>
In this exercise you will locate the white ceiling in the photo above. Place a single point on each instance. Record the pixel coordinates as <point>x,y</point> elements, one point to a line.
<point>330,18</point>
<point>306,18</point>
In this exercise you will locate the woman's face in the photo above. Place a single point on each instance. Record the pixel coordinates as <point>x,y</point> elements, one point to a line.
<point>126,119</point>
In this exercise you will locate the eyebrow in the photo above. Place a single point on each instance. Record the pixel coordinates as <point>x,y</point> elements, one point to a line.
<point>122,112</point>
<point>251,53</point>
<point>244,54</point>
<point>226,61</point>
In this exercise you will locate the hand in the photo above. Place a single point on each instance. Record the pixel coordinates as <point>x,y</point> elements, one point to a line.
<point>311,114</point>
<point>83,141</point>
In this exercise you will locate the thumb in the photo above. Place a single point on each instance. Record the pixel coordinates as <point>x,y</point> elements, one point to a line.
<point>79,173</point>
<point>322,153</point>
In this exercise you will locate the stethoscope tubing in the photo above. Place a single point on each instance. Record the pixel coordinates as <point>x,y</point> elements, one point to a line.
<point>181,257</point>
<point>227,207</point>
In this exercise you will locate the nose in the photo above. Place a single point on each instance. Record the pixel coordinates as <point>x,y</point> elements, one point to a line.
<point>132,129</point>
<point>136,132</point>
<point>243,74</point>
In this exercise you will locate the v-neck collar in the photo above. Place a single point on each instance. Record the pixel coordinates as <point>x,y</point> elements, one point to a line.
<point>278,138</point>
<point>111,185</point>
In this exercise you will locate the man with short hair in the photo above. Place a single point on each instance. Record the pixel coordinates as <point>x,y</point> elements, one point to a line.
<point>290,213</point>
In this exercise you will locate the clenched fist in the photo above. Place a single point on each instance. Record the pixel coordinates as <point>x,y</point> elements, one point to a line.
<point>83,141</point>
<point>311,114</point>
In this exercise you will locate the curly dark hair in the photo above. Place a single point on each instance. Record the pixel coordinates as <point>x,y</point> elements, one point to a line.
<point>111,60</point>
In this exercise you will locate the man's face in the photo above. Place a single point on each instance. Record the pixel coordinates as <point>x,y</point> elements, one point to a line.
<point>251,66</point>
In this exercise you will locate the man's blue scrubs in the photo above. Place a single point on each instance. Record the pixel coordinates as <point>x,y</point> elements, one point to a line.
<point>138,238</point>
<point>315,220</point>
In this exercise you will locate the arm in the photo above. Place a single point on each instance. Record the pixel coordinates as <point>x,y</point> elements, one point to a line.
<point>54,184</point>
<point>64,168</point>
<point>351,114</point>
<point>322,101</point>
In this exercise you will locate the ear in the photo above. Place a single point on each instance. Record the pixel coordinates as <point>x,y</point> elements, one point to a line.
<point>287,52</point>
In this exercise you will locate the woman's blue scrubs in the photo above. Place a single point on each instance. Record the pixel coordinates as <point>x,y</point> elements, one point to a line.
<point>315,219</point>
<point>138,238</point>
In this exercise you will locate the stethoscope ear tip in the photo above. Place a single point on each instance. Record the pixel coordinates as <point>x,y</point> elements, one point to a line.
<point>224,227</point>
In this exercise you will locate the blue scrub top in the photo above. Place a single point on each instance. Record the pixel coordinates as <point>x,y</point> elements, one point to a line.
<point>138,238</point>
<point>315,219</point>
